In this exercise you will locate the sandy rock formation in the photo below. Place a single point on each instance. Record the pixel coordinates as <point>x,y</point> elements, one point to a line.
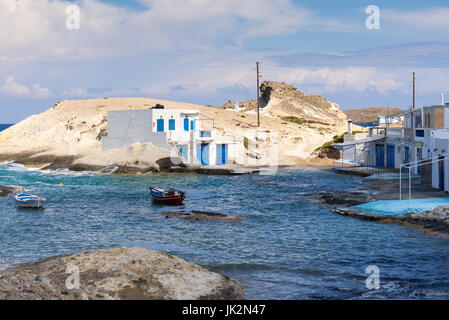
<point>120,273</point>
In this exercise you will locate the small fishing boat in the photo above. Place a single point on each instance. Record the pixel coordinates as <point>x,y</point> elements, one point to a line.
<point>26,200</point>
<point>170,196</point>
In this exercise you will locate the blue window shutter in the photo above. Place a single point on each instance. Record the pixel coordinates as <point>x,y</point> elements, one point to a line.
<point>171,124</point>
<point>192,125</point>
<point>160,125</point>
<point>186,124</point>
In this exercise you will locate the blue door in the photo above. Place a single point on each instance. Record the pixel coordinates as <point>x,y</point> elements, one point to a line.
<point>441,171</point>
<point>390,156</point>
<point>183,151</point>
<point>380,155</point>
<point>186,124</point>
<point>202,153</point>
<point>222,154</point>
<point>160,125</point>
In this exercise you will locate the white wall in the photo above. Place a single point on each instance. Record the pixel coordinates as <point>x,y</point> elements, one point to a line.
<point>442,146</point>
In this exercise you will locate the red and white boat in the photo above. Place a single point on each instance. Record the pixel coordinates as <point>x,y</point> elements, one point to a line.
<point>170,196</point>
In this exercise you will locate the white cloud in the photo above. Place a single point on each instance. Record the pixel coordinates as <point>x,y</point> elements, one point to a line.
<point>437,18</point>
<point>74,92</point>
<point>36,29</point>
<point>40,92</point>
<point>12,88</point>
<point>357,79</point>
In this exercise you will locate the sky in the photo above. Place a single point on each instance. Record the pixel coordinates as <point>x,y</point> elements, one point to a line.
<point>205,51</point>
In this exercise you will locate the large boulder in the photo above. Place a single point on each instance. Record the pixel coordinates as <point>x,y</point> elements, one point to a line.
<point>119,273</point>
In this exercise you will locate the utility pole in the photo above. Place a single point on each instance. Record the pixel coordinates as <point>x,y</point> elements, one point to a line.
<point>258,94</point>
<point>413,90</point>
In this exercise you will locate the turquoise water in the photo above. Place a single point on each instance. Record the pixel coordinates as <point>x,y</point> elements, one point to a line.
<point>287,248</point>
<point>398,207</point>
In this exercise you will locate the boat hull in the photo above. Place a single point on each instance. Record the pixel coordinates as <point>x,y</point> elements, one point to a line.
<point>30,204</point>
<point>160,197</point>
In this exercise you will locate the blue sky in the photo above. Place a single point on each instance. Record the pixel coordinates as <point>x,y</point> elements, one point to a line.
<point>204,51</point>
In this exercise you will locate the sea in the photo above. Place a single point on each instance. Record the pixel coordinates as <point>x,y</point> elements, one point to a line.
<point>4,126</point>
<point>288,246</point>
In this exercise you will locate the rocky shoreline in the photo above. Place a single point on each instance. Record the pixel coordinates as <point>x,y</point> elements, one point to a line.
<point>162,166</point>
<point>432,222</point>
<point>118,274</point>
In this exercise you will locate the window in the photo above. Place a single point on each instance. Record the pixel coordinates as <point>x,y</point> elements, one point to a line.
<point>192,125</point>
<point>171,124</point>
<point>186,124</point>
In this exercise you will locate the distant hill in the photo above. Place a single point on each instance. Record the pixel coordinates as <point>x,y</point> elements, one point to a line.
<point>370,114</point>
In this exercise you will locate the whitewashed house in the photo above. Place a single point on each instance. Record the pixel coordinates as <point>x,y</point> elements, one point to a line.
<point>188,132</point>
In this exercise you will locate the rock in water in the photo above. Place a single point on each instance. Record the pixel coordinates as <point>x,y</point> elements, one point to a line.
<point>196,215</point>
<point>119,273</point>
<point>6,191</point>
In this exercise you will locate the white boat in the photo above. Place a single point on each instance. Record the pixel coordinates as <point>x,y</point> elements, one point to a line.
<point>26,200</point>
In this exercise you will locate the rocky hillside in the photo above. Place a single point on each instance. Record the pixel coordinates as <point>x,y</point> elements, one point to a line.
<point>120,273</point>
<point>68,135</point>
<point>307,121</point>
<point>282,100</point>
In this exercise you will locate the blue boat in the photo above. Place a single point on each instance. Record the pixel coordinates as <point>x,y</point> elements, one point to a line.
<point>26,200</point>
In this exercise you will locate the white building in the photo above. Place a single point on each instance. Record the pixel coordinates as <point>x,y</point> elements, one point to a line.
<point>186,132</point>
<point>422,144</point>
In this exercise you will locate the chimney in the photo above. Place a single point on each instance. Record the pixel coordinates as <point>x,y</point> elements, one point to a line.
<point>349,126</point>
